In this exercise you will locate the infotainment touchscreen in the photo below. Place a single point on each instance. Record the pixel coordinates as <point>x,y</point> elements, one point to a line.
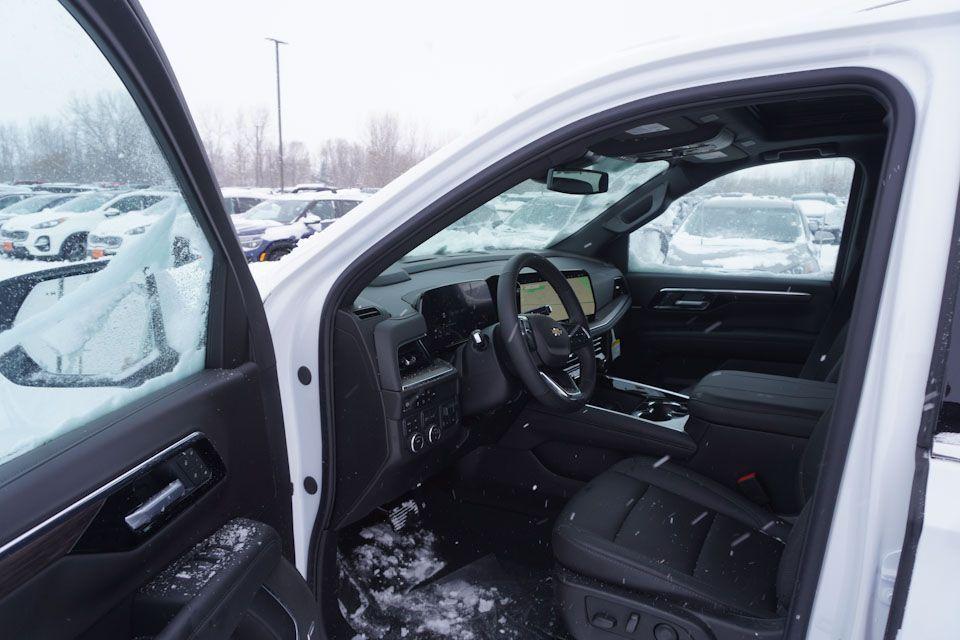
<point>537,293</point>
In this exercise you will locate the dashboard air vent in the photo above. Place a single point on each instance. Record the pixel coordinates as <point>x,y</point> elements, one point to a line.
<point>412,356</point>
<point>365,313</point>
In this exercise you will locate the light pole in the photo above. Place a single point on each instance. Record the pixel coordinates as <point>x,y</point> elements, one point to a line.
<point>276,49</point>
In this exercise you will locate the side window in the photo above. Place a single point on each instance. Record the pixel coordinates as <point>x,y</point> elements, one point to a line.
<point>118,306</point>
<point>324,209</point>
<point>783,219</point>
<point>147,201</point>
<point>245,204</point>
<point>346,205</point>
<point>126,205</point>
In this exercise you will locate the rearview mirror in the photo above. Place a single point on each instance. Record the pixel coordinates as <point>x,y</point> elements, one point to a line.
<point>577,181</point>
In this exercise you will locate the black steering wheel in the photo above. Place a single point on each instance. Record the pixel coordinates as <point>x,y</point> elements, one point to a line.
<point>539,347</point>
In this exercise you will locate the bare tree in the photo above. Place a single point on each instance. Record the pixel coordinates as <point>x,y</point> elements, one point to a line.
<point>340,162</point>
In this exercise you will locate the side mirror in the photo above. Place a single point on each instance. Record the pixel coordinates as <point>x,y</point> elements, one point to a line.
<point>45,342</point>
<point>823,237</point>
<point>312,219</point>
<point>112,211</point>
<point>577,181</point>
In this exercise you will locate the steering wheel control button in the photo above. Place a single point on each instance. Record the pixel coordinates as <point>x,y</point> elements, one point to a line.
<point>603,621</point>
<point>434,434</point>
<point>416,443</point>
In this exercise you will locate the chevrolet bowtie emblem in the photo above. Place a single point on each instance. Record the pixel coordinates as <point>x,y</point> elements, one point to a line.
<point>556,331</point>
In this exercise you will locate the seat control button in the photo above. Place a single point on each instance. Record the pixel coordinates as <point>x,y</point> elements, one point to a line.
<point>665,632</point>
<point>603,621</point>
<point>632,623</point>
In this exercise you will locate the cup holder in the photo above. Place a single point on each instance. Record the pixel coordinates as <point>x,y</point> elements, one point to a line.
<point>661,410</point>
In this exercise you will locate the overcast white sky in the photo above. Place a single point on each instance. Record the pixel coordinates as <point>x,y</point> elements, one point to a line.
<point>440,64</point>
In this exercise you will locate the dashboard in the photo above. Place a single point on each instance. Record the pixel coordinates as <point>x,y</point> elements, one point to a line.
<point>410,394</point>
<point>453,311</point>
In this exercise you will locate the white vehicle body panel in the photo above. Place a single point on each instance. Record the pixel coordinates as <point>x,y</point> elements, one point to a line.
<point>932,610</point>
<point>916,43</point>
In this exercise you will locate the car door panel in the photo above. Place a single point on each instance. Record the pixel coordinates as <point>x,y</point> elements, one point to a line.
<point>70,565</point>
<point>683,326</point>
<point>219,407</point>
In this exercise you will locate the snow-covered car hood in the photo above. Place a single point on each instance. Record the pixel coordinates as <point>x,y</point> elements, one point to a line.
<point>24,221</point>
<point>453,240</point>
<point>686,250</point>
<point>118,225</point>
<point>247,227</point>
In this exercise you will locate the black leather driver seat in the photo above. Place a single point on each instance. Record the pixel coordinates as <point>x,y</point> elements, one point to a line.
<point>663,531</point>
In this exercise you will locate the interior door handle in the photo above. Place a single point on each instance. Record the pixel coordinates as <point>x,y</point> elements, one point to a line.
<point>153,507</point>
<point>692,304</point>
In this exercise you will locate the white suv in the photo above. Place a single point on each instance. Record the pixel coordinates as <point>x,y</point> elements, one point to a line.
<point>61,232</point>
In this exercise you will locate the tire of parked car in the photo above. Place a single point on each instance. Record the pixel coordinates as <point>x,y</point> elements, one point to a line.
<point>74,248</point>
<point>275,253</point>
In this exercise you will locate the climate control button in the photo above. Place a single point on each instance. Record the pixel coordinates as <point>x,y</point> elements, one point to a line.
<point>434,434</point>
<point>416,442</point>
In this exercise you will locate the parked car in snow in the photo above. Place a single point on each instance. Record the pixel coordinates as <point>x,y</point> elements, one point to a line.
<point>239,200</point>
<point>61,232</point>
<point>30,204</point>
<point>13,196</point>
<point>824,214</point>
<point>745,233</point>
<point>64,187</point>
<point>273,228</point>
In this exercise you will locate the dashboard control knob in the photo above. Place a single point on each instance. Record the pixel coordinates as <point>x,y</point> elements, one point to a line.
<point>416,442</point>
<point>434,434</point>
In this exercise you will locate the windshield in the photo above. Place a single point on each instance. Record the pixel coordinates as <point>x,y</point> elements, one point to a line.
<point>32,205</point>
<point>285,211</point>
<point>529,216</point>
<point>744,221</point>
<point>86,202</point>
<point>6,201</point>
<point>175,204</point>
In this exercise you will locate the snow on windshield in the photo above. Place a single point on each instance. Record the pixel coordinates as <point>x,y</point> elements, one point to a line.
<point>528,216</point>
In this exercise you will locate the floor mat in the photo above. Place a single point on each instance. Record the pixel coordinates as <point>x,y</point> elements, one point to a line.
<point>399,585</point>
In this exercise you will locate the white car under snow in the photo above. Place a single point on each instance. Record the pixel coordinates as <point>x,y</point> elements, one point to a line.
<point>61,232</point>
<point>113,233</point>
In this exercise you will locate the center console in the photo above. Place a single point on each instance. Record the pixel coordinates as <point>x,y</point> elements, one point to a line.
<point>641,401</point>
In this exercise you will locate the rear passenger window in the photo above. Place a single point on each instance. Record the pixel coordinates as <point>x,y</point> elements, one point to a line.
<point>103,299</point>
<point>245,204</point>
<point>324,209</point>
<point>783,219</point>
